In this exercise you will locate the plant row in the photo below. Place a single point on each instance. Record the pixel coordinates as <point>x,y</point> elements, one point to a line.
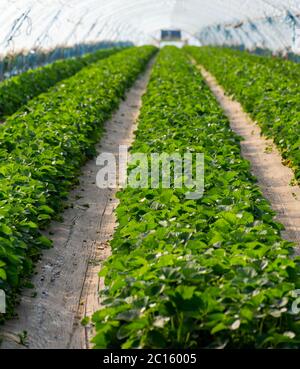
<point>17,91</point>
<point>42,149</point>
<point>210,272</point>
<point>267,88</point>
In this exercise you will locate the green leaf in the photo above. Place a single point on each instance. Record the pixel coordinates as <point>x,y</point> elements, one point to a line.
<point>45,242</point>
<point>219,327</point>
<point>3,275</point>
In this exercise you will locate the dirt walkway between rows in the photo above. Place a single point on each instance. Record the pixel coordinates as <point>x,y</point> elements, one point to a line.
<point>273,177</point>
<point>66,281</point>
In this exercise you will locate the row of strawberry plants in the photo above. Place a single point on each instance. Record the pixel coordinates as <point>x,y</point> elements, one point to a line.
<point>268,89</point>
<point>278,63</point>
<point>41,150</point>
<point>18,90</point>
<point>212,272</point>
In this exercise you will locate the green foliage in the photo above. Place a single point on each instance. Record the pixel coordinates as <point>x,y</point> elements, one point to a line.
<point>17,91</point>
<point>267,88</point>
<point>212,272</point>
<point>41,150</point>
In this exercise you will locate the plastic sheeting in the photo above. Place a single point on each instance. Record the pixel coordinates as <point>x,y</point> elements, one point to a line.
<point>36,24</point>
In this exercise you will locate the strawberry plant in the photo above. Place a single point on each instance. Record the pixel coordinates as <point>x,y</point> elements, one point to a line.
<point>267,88</point>
<point>17,91</point>
<point>207,273</point>
<point>41,150</point>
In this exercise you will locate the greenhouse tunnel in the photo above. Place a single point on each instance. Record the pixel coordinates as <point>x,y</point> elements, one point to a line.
<point>55,27</point>
<point>150,176</point>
